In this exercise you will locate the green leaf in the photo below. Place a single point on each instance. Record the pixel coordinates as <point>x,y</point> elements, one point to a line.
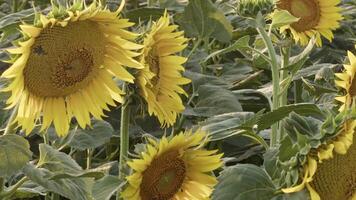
<point>56,161</point>
<point>202,19</point>
<point>241,43</point>
<point>106,187</point>
<point>9,23</point>
<point>226,125</point>
<point>242,182</point>
<point>14,154</point>
<point>272,117</point>
<point>91,138</point>
<point>142,14</point>
<point>282,18</point>
<point>211,99</point>
<point>71,188</point>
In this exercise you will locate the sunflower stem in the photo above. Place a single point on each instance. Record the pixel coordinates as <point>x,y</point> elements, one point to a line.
<point>15,5</point>
<point>196,45</point>
<point>11,126</point>
<point>89,157</point>
<point>2,182</point>
<point>285,52</point>
<point>124,138</point>
<point>275,79</point>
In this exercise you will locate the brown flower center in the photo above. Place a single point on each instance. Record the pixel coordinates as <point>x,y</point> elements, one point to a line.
<point>352,89</point>
<point>153,62</point>
<point>307,10</point>
<point>335,179</point>
<point>64,60</point>
<point>163,178</point>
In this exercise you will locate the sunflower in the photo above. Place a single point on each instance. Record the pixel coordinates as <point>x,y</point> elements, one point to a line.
<point>175,168</point>
<point>329,175</point>
<point>347,82</point>
<point>65,67</point>
<point>316,18</point>
<point>160,81</point>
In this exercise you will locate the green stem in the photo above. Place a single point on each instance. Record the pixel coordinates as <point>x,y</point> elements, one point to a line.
<point>11,126</point>
<point>124,138</point>
<point>89,158</point>
<point>2,182</point>
<point>285,52</point>
<point>55,196</point>
<point>196,45</point>
<point>15,5</point>
<point>275,79</point>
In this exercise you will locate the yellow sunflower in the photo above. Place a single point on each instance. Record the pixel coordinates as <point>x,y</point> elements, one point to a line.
<point>65,67</point>
<point>348,83</point>
<point>328,175</point>
<point>160,81</point>
<point>316,18</point>
<point>176,168</point>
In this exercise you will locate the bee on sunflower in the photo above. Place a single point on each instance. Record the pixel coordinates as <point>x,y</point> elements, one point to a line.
<point>65,65</point>
<point>160,80</point>
<point>316,18</point>
<point>174,168</point>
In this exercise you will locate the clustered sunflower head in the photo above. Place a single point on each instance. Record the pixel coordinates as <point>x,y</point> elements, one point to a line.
<point>160,81</point>
<point>316,18</point>
<point>65,67</point>
<point>174,168</point>
<point>329,172</point>
<point>348,83</point>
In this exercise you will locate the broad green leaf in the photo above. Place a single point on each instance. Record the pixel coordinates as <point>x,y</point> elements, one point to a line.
<point>14,154</point>
<point>242,182</point>
<point>71,188</point>
<point>272,117</point>
<point>282,18</point>
<point>9,23</point>
<point>106,187</point>
<point>215,100</point>
<point>142,14</point>
<point>29,190</point>
<point>56,161</point>
<point>202,19</point>
<point>84,174</point>
<point>226,125</point>
<point>91,138</point>
<point>241,43</point>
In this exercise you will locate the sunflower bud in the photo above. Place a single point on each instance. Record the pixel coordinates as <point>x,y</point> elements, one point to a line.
<point>250,8</point>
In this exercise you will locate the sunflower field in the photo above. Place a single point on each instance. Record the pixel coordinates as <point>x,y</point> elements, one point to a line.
<point>178,99</point>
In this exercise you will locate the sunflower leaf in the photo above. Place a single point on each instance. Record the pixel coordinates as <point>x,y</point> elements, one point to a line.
<point>106,187</point>
<point>71,188</point>
<point>14,154</point>
<point>244,181</point>
<point>91,138</point>
<point>202,19</point>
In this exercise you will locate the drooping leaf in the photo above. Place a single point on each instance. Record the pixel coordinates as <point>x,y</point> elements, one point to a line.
<point>106,187</point>
<point>14,154</point>
<point>91,138</point>
<point>242,182</point>
<point>202,19</point>
<point>215,100</point>
<point>272,117</point>
<point>71,188</point>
